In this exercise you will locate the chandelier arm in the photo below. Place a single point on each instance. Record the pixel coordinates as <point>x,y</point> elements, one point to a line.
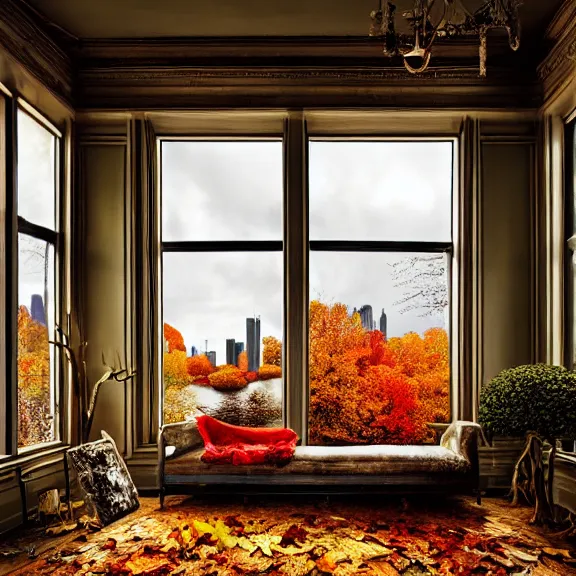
<point>422,68</point>
<point>437,27</point>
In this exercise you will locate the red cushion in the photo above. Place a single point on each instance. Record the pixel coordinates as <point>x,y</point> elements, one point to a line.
<point>240,445</point>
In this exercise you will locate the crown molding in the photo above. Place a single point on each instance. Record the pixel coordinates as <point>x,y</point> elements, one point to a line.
<point>558,68</point>
<point>28,41</point>
<point>153,88</point>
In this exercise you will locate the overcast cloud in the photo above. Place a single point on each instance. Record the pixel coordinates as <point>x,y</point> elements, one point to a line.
<point>36,203</point>
<point>233,191</point>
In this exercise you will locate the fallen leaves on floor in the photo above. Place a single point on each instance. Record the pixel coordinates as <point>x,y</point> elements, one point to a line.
<point>288,539</point>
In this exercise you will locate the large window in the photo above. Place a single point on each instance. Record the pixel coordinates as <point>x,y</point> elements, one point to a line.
<point>378,265</point>
<point>222,280</point>
<point>381,243</point>
<point>37,186</point>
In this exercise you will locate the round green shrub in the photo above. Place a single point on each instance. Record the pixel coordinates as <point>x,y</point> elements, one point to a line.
<point>533,398</point>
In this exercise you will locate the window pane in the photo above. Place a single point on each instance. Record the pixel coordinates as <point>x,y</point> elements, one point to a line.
<point>222,336</point>
<point>36,391</point>
<point>379,348</point>
<point>222,191</point>
<point>381,191</point>
<point>36,172</point>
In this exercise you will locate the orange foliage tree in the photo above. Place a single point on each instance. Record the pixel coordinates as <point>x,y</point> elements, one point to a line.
<point>243,361</point>
<point>199,365</point>
<point>369,391</point>
<point>174,338</point>
<point>272,353</point>
<point>34,406</point>
<point>176,369</point>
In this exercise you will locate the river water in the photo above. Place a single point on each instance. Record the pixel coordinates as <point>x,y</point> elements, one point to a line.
<point>258,404</point>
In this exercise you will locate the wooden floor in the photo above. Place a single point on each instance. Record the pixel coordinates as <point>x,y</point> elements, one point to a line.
<point>297,536</point>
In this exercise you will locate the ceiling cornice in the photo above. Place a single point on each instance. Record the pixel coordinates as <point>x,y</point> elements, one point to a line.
<point>292,71</point>
<point>28,40</point>
<point>154,88</point>
<point>559,66</point>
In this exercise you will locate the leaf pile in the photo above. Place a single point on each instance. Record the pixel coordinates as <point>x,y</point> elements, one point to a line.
<point>299,540</point>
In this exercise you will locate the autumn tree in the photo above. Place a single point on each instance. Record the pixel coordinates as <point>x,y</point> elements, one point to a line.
<point>174,338</point>
<point>365,390</point>
<point>243,361</point>
<point>272,353</point>
<point>34,407</point>
<point>176,369</point>
<point>199,365</point>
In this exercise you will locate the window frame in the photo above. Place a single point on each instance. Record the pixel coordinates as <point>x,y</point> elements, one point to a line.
<point>570,243</point>
<point>404,246</point>
<point>204,246</point>
<point>16,224</point>
<point>297,247</point>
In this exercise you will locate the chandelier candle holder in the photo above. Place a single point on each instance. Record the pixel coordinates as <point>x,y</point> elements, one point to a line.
<point>440,19</point>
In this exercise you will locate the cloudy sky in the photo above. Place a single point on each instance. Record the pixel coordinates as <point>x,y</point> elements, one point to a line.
<point>233,191</point>
<point>36,203</point>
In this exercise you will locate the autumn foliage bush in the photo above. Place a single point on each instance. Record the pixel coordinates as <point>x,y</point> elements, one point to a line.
<point>365,390</point>
<point>228,378</point>
<point>269,371</point>
<point>251,376</point>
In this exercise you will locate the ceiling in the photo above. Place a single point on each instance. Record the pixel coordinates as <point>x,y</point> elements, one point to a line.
<point>213,18</point>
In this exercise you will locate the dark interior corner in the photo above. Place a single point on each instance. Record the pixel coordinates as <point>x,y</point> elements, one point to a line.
<point>287,288</point>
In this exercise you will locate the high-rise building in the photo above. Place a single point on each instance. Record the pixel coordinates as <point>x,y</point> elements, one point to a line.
<point>231,351</point>
<point>194,351</point>
<point>37,310</point>
<point>253,343</point>
<point>366,317</point>
<point>212,357</point>
<point>238,349</point>
<point>384,324</point>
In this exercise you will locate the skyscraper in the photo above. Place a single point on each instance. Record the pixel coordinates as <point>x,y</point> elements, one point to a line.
<point>366,317</point>
<point>384,324</point>
<point>238,349</point>
<point>231,351</point>
<point>37,310</point>
<point>193,351</point>
<point>253,343</point>
<point>212,357</point>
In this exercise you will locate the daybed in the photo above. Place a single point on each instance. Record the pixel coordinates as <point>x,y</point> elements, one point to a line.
<point>450,467</point>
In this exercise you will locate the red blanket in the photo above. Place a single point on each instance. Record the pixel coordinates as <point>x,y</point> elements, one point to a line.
<point>238,445</point>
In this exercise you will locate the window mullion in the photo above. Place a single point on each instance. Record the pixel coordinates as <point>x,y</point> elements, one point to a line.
<point>296,275</point>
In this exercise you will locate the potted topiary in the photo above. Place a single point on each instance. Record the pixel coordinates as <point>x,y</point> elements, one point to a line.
<point>539,402</point>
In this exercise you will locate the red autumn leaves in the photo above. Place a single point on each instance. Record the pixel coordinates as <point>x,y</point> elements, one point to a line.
<point>365,390</point>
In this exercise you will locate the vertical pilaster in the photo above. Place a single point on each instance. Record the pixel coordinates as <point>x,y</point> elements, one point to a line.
<point>468,255</point>
<point>296,275</point>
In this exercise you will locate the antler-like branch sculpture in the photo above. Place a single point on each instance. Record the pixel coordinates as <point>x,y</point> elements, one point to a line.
<point>80,379</point>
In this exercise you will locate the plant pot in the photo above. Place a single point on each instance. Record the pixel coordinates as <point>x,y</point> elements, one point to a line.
<point>497,462</point>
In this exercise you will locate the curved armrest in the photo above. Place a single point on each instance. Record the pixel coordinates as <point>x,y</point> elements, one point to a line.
<point>462,438</point>
<point>184,436</point>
